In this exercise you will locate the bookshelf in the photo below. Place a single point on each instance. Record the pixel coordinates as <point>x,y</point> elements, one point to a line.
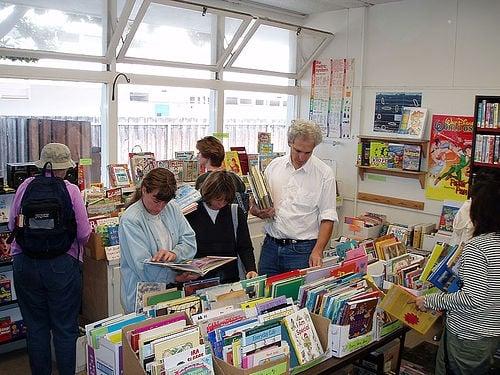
<point>418,175</point>
<point>485,135</point>
<point>9,308</point>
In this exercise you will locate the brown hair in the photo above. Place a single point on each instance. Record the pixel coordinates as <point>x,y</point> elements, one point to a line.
<point>158,178</point>
<point>219,184</point>
<point>212,149</point>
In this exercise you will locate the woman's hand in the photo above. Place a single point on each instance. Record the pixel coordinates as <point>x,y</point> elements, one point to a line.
<point>420,302</point>
<point>251,274</point>
<point>186,276</point>
<point>164,256</point>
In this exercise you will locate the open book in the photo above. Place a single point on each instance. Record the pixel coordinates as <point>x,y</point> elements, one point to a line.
<point>201,266</point>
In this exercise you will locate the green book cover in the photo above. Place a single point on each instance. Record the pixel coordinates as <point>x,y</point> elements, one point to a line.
<point>163,297</point>
<point>378,154</point>
<point>288,287</point>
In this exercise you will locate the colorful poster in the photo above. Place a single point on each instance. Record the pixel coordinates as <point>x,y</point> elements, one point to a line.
<point>449,157</point>
<point>331,96</point>
<point>320,94</point>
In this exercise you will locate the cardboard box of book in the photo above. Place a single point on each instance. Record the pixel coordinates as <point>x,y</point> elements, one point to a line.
<point>278,367</point>
<point>339,343</point>
<point>357,232</point>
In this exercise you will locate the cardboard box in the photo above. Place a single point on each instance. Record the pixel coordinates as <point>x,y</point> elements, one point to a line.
<point>95,291</point>
<point>94,247</point>
<point>382,360</point>
<point>337,337</point>
<point>130,364</point>
<point>278,367</point>
<point>355,232</point>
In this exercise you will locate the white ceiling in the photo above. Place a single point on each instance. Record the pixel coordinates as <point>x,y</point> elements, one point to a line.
<point>306,7</point>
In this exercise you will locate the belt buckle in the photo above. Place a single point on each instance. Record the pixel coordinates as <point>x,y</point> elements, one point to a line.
<point>293,241</point>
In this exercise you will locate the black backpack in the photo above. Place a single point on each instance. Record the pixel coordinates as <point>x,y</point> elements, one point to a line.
<point>47,224</point>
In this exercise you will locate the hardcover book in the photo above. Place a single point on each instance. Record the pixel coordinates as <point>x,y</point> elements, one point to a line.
<point>413,122</point>
<point>448,213</point>
<point>232,162</point>
<point>359,316</point>
<point>303,336</point>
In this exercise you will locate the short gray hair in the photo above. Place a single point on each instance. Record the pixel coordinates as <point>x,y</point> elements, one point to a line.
<point>304,129</point>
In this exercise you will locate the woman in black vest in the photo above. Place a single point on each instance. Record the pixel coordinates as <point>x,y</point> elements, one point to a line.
<point>215,229</point>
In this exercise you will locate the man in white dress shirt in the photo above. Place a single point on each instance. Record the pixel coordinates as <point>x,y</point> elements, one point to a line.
<point>302,187</point>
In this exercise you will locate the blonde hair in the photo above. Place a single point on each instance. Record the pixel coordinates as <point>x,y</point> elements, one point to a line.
<point>301,128</point>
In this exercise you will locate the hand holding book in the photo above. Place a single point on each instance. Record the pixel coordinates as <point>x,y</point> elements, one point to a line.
<point>164,256</point>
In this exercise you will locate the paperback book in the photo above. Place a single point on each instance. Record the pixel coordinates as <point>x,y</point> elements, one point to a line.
<point>140,165</point>
<point>200,266</point>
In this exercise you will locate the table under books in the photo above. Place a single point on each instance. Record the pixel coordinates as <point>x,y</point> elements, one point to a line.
<point>334,364</point>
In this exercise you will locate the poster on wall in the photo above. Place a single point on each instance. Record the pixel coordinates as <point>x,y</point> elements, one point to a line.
<point>320,94</point>
<point>389,109</point>
<point>449,157</point>
<point>331,96</point>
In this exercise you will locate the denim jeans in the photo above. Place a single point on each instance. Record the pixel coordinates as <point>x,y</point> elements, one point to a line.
<point>277,258</point>
<point>465,357</point>
<point>49,293</point>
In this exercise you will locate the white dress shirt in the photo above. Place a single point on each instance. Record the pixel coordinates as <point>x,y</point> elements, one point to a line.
<point>302,198</point>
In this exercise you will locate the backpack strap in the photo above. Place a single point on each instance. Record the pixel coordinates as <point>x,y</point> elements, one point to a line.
<point>234,215</point>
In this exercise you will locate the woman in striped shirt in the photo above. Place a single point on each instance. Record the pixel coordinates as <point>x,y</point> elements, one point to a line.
<point>473,313</point>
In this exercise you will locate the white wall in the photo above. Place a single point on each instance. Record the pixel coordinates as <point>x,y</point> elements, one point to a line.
<point>448,49</point>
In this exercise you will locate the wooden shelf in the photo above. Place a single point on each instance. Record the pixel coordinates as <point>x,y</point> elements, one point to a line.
<point>393,172</point>
<point>487,131</point>
<point>487,165</point>
<point>408,141</point>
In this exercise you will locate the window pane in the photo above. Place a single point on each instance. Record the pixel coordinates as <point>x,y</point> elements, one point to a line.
<point>76,30</point>
<point>34,113</point>
<point>172,119</point>
<point>231,26</point>
<point>270,48</point>
<point>164,71</point>
<point>174,34</point>
<point>52,63</point>
<point>266,113</point>
<point>256,78</point>
<point>307,43</point>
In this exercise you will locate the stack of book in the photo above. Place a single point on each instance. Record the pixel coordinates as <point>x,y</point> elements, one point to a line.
<point>388,247</point>
<point>260,188</point>
<point>170,346</point>
<point>187,198</point>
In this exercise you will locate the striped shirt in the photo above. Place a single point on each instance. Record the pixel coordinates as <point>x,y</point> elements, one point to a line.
<point>474,311</point>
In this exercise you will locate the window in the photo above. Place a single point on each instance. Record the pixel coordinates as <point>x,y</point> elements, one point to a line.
<point>78,31</point>
<point>34,113</point>
<point>243,122</point>
<point>173,120</point>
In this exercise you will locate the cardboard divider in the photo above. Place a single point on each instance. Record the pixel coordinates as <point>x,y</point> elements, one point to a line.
<point>278,367</point>
<point>95,247</point>
<point>338,343</point>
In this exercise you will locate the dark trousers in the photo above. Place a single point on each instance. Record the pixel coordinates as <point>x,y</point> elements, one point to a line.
<point>49,292</point>
<point>465,357</point>
<point>277,258</point>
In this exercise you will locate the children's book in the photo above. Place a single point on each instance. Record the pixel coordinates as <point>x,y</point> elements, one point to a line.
<point>358,314</point>
<point>411,157</point>
<point>174,166</point>
<point>378,154</point>
<point>5,204</point>
<point>5,247</point>
<point>303,336</point>
<point>400,303</point>
<point>119,175</point>
<point>140,165</point>
<point>144,287</point>
<point>395,155</point>
<point>445,275</point>
<point>448,213</point>
<point>243,157</point>
<point>232,162</point>
<point>415,127</point>
<point>190,171</point>
<point>200,266</point>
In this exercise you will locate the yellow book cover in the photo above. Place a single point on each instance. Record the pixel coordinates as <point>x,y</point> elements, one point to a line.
<point>232,162</point>
<point>435,255</point>
<point>253,302</point>
<point>401,304</point>
<point>381,242</point>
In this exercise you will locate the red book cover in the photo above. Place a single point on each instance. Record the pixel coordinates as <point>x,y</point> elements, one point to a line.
<point>242,154</point>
